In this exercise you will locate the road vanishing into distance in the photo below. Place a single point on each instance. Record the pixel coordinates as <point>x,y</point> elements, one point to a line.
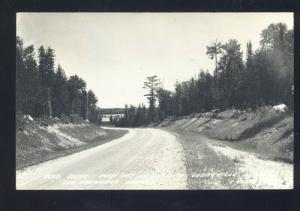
<point>142,159</point>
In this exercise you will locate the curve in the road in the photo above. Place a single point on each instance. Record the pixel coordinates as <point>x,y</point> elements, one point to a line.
<point>142,159</point>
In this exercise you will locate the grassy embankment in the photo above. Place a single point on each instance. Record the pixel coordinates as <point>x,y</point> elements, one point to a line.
<point>266,132</point>
<point>38,142</point>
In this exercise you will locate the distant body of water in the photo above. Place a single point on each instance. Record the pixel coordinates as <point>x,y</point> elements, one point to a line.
<point>105,117</point>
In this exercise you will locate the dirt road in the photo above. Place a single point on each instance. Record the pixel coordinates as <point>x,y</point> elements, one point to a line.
<point>142,159</point>
<point>157,159</point>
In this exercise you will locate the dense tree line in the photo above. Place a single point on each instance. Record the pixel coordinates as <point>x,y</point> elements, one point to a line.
<point>266,77</point>
<point>112,111</point>
<point>45,91</point>
<point>133,117</point>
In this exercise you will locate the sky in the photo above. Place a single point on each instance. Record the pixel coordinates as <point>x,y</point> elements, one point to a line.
<point>115,52</point>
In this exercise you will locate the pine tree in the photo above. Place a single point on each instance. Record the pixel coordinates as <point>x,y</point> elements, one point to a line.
<point>61,102</point>
<point>249,79</point>
<point>231,66</point>
<point>151,84</point>
<point>164,100</point>
<point>30,76</point>
<point>76,86</point>
<point>213,51</point>
<point>20,69</point>
<point>46,73</point>
<point>94,114</point>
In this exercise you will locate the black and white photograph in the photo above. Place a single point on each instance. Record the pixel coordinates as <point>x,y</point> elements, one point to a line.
<point>154,100</point>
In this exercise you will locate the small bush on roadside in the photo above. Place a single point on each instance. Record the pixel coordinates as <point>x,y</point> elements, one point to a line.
<point>46,121</point>
<point>265,111</point>
<point>64,118</point>
<point>75,118</point>
<point>236,114</point>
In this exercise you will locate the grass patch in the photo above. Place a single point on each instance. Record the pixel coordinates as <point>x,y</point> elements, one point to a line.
<point>259,125</point>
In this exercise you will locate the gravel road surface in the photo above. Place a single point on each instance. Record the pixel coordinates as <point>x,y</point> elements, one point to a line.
<point>142,159</point>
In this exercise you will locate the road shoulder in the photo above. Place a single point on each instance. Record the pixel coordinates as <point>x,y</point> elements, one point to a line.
<point>212,164</point>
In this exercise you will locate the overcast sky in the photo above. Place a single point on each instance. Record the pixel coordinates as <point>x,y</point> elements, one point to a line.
<point>115,52</point>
